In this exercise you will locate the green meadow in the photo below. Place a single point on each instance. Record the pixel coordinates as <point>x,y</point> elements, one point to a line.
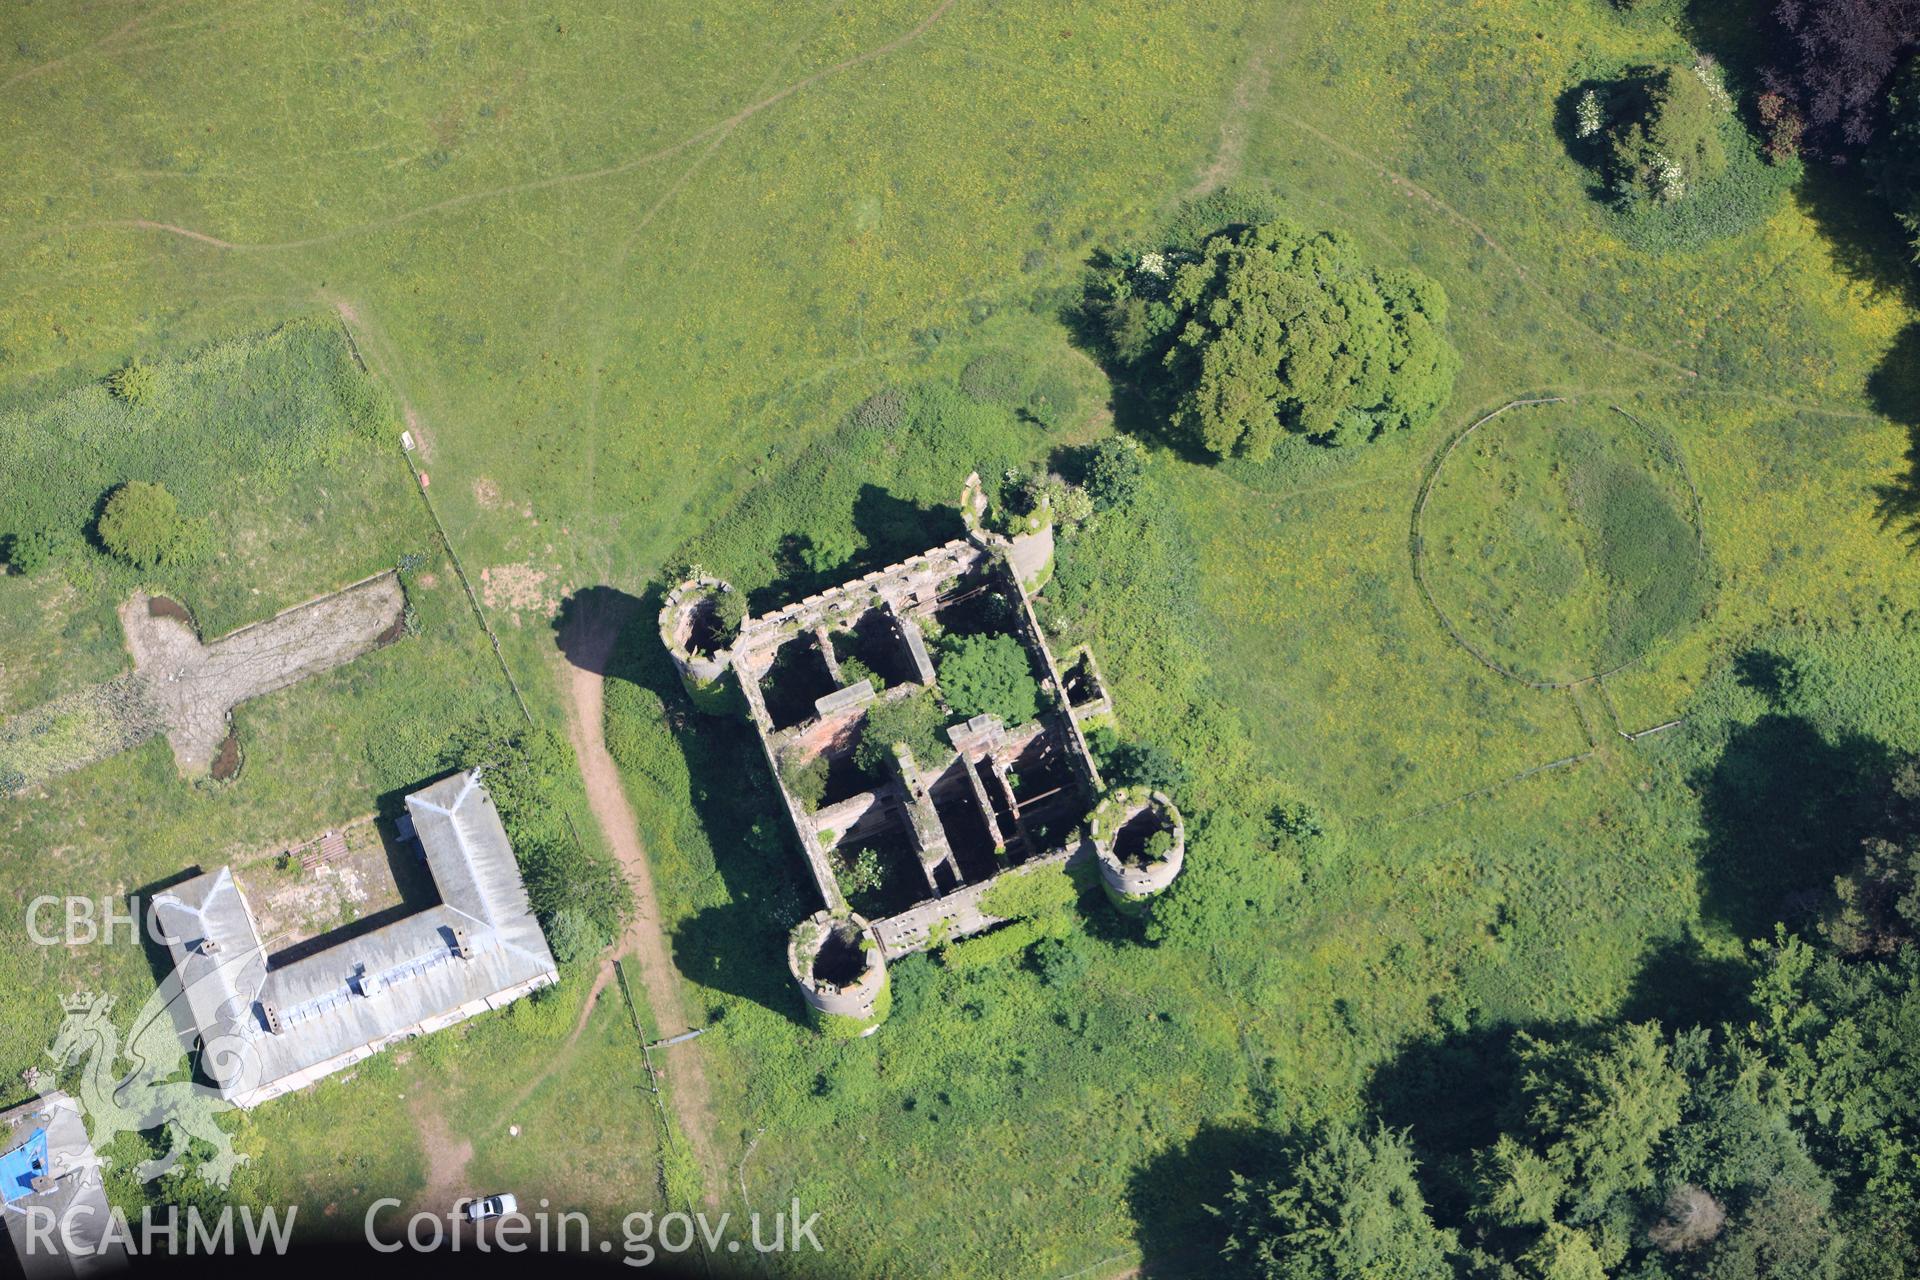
<point>635,284</point>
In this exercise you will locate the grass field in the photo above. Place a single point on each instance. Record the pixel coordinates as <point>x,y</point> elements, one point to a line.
<point>1561,541</point>
<point>288,451</point>
<point>628,326</point>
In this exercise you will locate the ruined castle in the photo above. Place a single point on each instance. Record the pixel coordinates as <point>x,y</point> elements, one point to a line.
<point>999,801</point>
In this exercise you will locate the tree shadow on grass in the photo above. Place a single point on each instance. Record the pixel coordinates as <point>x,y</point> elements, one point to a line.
<point>712,768</point>
<point>1894,390</point>
<point>1784,811</point>
<point>893,528</point>
<point>890,529</point>
<point>1169,1197</point>
<point>1679,985</point>
<point>1452,1092</point>
<point>1867,242</point>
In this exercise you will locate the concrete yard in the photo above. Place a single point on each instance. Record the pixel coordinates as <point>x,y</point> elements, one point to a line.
<point>196,686</point>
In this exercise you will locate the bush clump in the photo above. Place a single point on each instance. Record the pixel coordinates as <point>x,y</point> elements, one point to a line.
<point>1116,468</point>
<point>134,383</point>
<point>729,611</point>
<point>1062,961</point>
<point>885,410</point>
<point>1052,403</point>
<point>1665,139</point>
<point>993,377</point>
<point>916,720</point>
<point>991,674</point>
<point>1272,329</point>
<point>35,550</point>
<point>531,776</point>
<point>806,778</point>
<point>141,524</point>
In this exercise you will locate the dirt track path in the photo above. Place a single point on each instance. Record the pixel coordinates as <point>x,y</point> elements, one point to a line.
<point>447,1156</point>
<point>720,127</point>
<point>645,941</point>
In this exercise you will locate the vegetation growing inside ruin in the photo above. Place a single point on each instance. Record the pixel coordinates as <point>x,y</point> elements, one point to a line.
<point>806,778</point>
<point>988,675</point>
<point>916,721</point>
<point>794,371</point>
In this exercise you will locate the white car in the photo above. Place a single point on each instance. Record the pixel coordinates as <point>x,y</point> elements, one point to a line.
<point>490,1207</point>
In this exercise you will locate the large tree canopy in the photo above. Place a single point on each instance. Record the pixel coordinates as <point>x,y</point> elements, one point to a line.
<point>1348,1209</point>
<point>1834,59</point>
<point>1272,328</point>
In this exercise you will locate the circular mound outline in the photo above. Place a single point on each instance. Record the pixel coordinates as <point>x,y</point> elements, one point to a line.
<point>1417,542</point>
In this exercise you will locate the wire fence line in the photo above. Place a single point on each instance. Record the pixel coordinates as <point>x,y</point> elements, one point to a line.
<point>1417,541</point>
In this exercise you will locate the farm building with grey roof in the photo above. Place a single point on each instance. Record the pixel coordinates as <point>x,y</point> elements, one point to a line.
<point>53,1198</point>
<point>267,1028</point>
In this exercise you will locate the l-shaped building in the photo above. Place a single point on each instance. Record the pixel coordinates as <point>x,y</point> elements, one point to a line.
<point>267,1028</point>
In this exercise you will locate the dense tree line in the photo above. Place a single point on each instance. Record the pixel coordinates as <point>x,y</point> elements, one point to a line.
<point>1833,60</point>
<point>1843,82</point>
<point>1781,1144</point>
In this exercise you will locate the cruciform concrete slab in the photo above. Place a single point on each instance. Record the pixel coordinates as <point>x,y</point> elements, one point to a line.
<point>196,686</point>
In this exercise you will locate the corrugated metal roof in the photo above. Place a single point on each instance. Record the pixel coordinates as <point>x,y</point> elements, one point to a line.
<point>369,988</point>
<point>77,1199</point>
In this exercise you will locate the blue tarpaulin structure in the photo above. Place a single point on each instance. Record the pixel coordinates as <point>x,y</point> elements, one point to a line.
<point>20,1166</point>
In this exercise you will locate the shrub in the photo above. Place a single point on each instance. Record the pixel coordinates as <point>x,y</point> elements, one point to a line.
<point>1116,468</point>
<point>1667,140</point>
<point>531,776</point>
<point>1223,209</point>
<point>1588,118</point>
<point>915,720</point>
<point>826,552</point>
<point>1300,819</point>
<point>991,674</point>
<point>134,383</point>
<point>1071,504</point>
<point>35,550</point>
<point>1052,402</point>
<point>862,872</point>
<point>806,778</point>
<point>1137,764</point>
<point>1272,329</point>
<point>1782,125</point>
<point>884,410</point>
<point>573,938</point>
<point>853,671</point>
<point>729,611</point>
<point>141,524</point>
<point>1158,846</point>
<point>1062,961</point>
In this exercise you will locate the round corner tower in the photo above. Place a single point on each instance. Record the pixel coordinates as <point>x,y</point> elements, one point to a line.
<point>1028,545</point>
<point>699,636</point>
<point>1140,842</point>
<point>842,976</point>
